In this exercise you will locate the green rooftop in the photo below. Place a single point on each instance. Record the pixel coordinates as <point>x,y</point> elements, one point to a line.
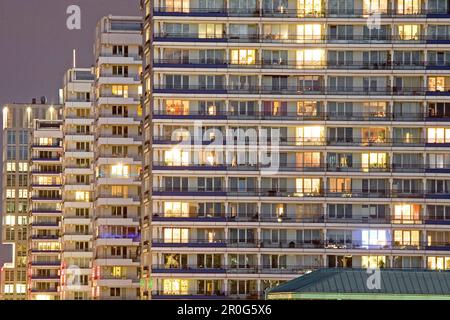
<point>352,284</point>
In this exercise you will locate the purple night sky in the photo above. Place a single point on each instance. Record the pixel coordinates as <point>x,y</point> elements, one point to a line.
<point>36,47</point>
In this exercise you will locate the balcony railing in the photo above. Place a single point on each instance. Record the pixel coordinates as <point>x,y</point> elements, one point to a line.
<point>216,294</point>
<point>299,116</point>
<point>294,65</point>
<point>296,141</point>
<point>232,269</point>
<point>292,167</point>
<point>255,217</point>
<point>283,12</point>
<point>296,90</point>
<point>263,192</point>
<point>295,39</point>
<point>312,244</point>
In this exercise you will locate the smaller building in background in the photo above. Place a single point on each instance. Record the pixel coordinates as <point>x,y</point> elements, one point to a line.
<point>46,202</point>
<point>18,121</point>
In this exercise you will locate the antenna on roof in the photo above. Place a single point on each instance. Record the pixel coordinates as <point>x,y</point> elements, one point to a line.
<point>74,58</point>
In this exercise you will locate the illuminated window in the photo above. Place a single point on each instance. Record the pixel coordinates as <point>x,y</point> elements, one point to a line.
<point>309,32</point>
<point>210,30</point>
<point>51,246</point>
<point>175,286</point>
<point>177,107</point>
<point>307,108</point>
<point>119,170</point>
<point>408,32</point>
<point>438,263</point>
<point>309,8</point>
<point>116,272</point>
<point>23,193</point>
<point>309,134</point>
<point>177,5</point>
<point>9,220</point>
<point>243,56</point>
<point>11,166</point>
<point>373,135</point>
<point>176,235</point>
<point>438,135</point>
<point>119,191</point>
<point>408,6</point>
<point>307,186</point>
<point>23,166</point>
<point>374,6</point>
<point>176,157</point>
<point>308,159</point>
<point>406,237</point>
<point>276,31</point>
<point>10,193</point>
<point>375,109</point>
<point>371,238</point>
<point>406,212</point>
<point>310,58</point>
<point>373,160</point>
<point>373,261</point>
<point>436,83</point>
<point>8,288</point>
<point>82,196</point>
<point>119,90</point>
<point>21,288</point>
<point>176,209</point>
<point>340,185</point>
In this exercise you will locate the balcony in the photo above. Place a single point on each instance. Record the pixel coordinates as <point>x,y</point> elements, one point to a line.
<point>387,38</point>
<point>293,65</point>
<point>233,269</point>
<point>289,219</point>
<point>283,12</point>
<point>297,116</point>
<point>204,295</point>
<point>298,141</point>
<point>295,90</point>
<point>293,167</point>
<point>290,193</point>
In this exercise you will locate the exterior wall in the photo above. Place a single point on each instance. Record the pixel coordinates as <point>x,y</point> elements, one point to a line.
<point>359,110</point>
<point>18,120</point>
<point>118,146</point>
<point>45,208</point>
<point>78,168</point>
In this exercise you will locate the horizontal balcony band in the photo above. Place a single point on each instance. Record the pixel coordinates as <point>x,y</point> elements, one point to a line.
<point>37,198</point>
<point>294,39</point>
<point>45,237</point>
<point>314,244</point>
<point>217,294</point>
<point>249,269</point>
<point>295,116</point>
<point>296,13</point>
<point>256,218</point>
<point>294,65</point>
<point>357,168</point>
<point>261,192</point>
<point>295,90</point>
<point>45,263</point>
<point>295,141</point>
<point>232,269</point>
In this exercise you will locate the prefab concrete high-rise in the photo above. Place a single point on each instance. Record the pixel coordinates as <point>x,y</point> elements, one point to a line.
<point>117,153</point>
<point>18,125</point>
<point>347,99</point>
